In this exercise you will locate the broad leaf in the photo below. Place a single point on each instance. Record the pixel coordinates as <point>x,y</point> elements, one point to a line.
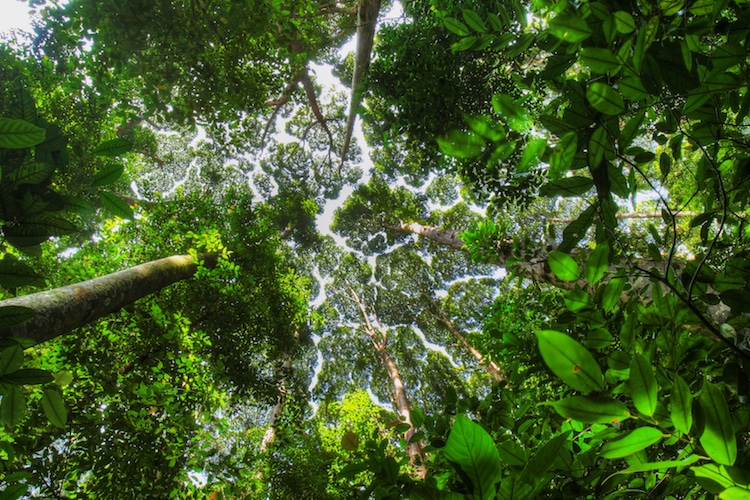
<point>19,134</point>
<point>512,113</point>
<point>544,458</point>
<point>15,315</point>
<point>14,273</point>
<point>612,293</point>
<point>474,21</point>
<point>717,437</point>
<point>597,264</point>
<point>31,173</point>
<point>681,403</point>
<point>564,266</point>
<point>567,186</point>
<point>54,408</point>
<point>605,99</point>
<point>113,147</point>
<point>600,60</point>
<point>643,385</point>
<point>456,26</point>
<point>592,409</point>
<point>576,300</point>
<point>667,464</point>
<point>108,175</point>
<point>570,28</point>
<point>472,448</point>
<point>116,205</point>
<point>570,361</point>
<point>461,144</point>
<point>29,376</point>
<point>633,442</point>
<point>13,406</point>
<point>561,159</point>
<point>11,359</point>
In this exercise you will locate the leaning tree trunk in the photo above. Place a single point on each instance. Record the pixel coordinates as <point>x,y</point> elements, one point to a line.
<point>492,368</point>
<point>61,310</point>
<point>414,449</point>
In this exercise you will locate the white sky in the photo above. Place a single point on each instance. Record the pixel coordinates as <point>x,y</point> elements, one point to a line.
<point>14,14</point>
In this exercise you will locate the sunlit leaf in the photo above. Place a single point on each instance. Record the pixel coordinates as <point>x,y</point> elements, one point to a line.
<point>570,361</point>
<point>717,437</point>
<point>612,293</point>
<point>681,404</point>
<point>474,21</point>
<point>643,385</point>
<point>667,464</point>
<point>570,28</point>
<point>531,155</point>
<point>562,156</point>
<point>116,205</point>
<point>456,26</point>
<point>461,144</point>
<point>473,449</point>
<point>514,115</point>
<point>592,409</point>
<point>564,266</point>
<point>597,263</point>
<point>633,442</point>
<point>624,22</point>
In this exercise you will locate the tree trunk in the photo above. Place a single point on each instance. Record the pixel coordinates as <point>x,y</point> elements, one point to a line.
<point>492,368</point>
<point>400,398</point>
<point>64,309</point>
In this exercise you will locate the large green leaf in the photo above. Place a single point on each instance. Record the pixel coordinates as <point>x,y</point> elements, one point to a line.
<point>597,263</point>
<point>514,115</point>
<point>474,21</point>
<point>14,273</point>
<point>643,385</point>
<point>633,442</point>
<point>19,134</point>
<point>681,403</point>
<point>567,186</point>
<point>612,293</point>
<point>15,315</point>
<point>592,409</point>
<point>13,406</point>
<point>543,459</point>
<point>600,60</point>
<point>666,464</point>
<point>717,437</point>
<point>461,144</point>
<point>456,26</point>
<point>35,229</point>
<point>31,173</point>
<point>564,266</point>
<point>29,376</point>
<point>561,159</point>
<point>471,448</point>
<point>108,175</point>
<point>113,147</point>
<point>116,205</point>
<point>570,28</point>
<point>11,359</point>
<point>605,99</point>
<point>570,361</point>
<point>54,408</point>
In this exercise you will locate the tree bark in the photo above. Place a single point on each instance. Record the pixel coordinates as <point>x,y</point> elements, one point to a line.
<point>64,309</point>
<point>414,449</point>
<point>270,436</point>
<point>492,368</point>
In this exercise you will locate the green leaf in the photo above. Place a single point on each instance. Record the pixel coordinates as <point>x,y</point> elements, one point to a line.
<point>624,22</point>
<point>474,21</point>
<point>15,315</point>
<point>717,437</point>
<point>600,60</point>
<point>612,293</point>
<point>461,144</point>
<point>667,464</point>
<point>116,205</point>
<point>605,99</point>
<point>681,402</point>
<point>352,470</point>
<point>671,7</point>
<point>113,147</point>
<point>562,156</point>
<point>512,113</point>
<point>473,449</point>
<point>576,300</point>
<point>567,186</point>
<point>577,229</point>
<point>19,134</point>
<point>597,264</point>
<point>11,359</point>
<point>643,385</point>
<point>564,266</point>
<point>592,409</point>
<point>632,88</point>
<point>544,458</point>
<point>455,26</point>
<point>14,491</point>
<point>531,154</point>
<point>570,361</point>
<point>37,228</point>
<point>633,442</point>
<point>78,205</point>
<point>569,28</point>
<point>350,441</point>
<point>13,406</point>
<point>29,376</point>
<point>14,273</point>
<point>54,408</point>
<point>32,173</point>
<point>108,175</point>
<point>734,493</point>
<point>487,128</point>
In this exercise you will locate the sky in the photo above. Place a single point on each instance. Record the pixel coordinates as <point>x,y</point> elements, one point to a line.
<point>14,14</point>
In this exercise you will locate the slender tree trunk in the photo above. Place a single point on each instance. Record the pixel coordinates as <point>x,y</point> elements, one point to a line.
<point>64,309</point>
<point>270,436</point>
<point>403,406</point>
<point>492,368</point>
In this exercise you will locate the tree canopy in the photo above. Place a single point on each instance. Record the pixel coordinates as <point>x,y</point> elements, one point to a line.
<point>532,283</point>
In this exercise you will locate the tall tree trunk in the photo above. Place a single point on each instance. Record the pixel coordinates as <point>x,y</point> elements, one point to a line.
<point>286,372</point>
<point>400,398</point>
<point>492,368</point>
<point>64,309</point>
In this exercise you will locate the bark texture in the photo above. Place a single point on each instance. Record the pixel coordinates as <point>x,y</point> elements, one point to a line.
<point>64,309</point>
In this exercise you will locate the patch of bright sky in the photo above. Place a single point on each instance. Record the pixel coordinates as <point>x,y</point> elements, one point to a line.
<point>14,14</point>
